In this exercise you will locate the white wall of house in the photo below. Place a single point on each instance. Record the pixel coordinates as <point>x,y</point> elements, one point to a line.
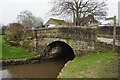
<point>52,25</point>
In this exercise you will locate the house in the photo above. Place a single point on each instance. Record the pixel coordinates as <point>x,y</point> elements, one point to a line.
<point>55,22</point>
<point>89,21</point>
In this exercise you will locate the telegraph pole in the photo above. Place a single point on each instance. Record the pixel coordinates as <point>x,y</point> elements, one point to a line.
<point>114,33</point>
<point>114,30</point>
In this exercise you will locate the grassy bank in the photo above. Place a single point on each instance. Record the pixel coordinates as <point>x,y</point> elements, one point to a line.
<point>8,52</point>
<point>100,65</point>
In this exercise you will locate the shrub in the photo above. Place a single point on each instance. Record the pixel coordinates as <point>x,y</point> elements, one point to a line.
<point>14,33</point>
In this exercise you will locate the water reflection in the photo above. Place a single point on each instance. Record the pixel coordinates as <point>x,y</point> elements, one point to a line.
<point>48,69</point>
<point>5,74</point>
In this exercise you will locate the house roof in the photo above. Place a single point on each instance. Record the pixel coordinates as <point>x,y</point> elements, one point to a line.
<point>59,21</point>
<point>91,17</point>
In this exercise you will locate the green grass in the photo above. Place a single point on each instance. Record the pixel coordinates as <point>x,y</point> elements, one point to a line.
<point>100,65</point>
<point>8,52</point>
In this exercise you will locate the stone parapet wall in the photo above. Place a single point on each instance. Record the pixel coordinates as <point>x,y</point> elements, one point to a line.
<point>68,33</point>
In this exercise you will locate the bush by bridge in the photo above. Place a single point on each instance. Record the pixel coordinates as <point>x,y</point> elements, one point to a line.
<point>14,33</point>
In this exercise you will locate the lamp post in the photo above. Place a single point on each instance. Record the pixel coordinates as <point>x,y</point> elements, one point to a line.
<point>114,30</point>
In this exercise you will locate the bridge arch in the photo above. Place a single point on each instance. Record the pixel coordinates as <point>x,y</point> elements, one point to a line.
<point>59,49</point>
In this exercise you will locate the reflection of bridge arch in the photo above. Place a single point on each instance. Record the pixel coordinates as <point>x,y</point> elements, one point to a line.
<point>59,49</point>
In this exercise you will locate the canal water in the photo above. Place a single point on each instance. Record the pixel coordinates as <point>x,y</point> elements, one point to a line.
<point>44,69</point>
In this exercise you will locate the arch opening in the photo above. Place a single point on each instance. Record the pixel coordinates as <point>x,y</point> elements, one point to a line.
<point>59,50</point>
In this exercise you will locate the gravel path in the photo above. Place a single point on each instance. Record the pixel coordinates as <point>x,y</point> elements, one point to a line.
<point>109,41</point>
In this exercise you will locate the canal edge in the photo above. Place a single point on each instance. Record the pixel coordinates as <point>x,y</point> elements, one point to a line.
<point>60,73</point>
<point>30,60</point>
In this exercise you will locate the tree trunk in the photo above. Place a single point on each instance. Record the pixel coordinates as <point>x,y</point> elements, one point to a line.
<point>74,21</point>
<point>77,18</point>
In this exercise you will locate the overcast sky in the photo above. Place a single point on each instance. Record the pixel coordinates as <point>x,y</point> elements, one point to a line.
<point>9,9</point>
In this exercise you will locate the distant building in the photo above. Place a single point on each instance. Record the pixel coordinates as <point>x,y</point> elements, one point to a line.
<point>55,22</point>
<point>89,21</point>
<point>4,29</point>
<point>119,13</point>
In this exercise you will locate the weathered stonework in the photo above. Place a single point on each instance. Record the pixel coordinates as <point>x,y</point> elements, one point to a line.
<point>81,40</point>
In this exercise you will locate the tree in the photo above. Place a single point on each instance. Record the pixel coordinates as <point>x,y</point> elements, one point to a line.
<point>38,21</point>
<point>79,9</point>
<point>26,18</point>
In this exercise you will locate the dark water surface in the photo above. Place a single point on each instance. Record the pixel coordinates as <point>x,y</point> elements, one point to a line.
<point>46,69</point>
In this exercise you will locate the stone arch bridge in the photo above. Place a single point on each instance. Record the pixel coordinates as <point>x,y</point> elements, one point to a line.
<point>72,40</point>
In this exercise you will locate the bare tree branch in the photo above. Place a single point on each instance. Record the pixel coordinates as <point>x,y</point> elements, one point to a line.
<point>78,8</point>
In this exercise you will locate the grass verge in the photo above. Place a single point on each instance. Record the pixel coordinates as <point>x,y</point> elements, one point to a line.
<point>100,65</point>
<point>8,52</point>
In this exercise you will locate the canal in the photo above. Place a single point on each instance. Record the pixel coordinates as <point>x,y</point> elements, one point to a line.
<point>45,69</point>
<point>60,53</point>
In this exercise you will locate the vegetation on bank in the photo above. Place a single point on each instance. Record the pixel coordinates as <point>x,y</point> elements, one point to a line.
<point>101,65</point>
<point>9,52</point>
